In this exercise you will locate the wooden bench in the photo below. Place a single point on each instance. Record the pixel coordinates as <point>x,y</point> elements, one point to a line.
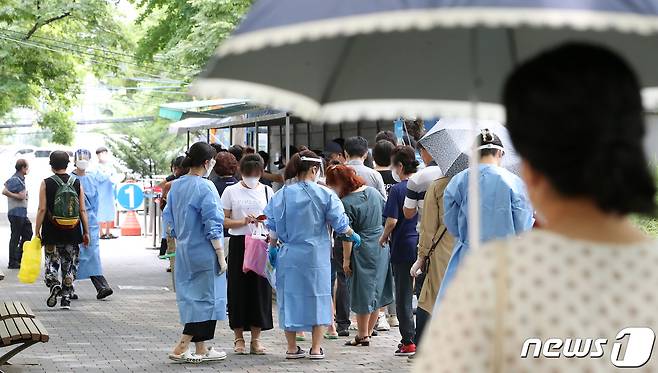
<point>19,326</point>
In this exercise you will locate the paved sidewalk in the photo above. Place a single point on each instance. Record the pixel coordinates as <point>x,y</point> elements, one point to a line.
<point>136,327</point>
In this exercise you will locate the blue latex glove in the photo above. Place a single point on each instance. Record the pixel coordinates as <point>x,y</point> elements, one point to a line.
<point>272,252</point>
<point>356,239</point>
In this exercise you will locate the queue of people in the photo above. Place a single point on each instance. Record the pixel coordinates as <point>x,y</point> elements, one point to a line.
<point>385,250</point>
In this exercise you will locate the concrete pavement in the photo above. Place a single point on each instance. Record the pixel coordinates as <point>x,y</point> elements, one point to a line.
<point>136,327</point>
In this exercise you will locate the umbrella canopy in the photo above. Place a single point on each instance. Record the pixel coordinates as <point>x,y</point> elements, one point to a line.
<point>450,141</point>
<point>379,59</point>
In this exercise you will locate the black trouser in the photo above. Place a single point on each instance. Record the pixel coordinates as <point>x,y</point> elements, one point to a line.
<point>21,231</point>
<point>99,282</point>
<point>163,246</point>
<point>343,301</point>
<point>200,331</point>
<point>422,318</point>
<point>403,300</point>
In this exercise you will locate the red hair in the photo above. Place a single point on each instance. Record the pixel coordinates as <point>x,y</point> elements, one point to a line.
<point>344,177</point>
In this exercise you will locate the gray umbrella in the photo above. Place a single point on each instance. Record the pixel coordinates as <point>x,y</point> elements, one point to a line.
<point>336,60</point>
<point>450,140</point>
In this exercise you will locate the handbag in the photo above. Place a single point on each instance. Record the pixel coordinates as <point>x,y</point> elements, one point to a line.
<point>426,264</point>
<point>255,248</point>
<point>255,255</point>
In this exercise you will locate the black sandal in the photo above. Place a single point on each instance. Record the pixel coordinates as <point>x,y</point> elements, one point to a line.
<point>358,341</point>
<point>299,354</point>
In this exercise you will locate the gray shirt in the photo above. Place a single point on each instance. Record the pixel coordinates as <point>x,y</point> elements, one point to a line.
<point>16,207</point>
<point>372,177</point>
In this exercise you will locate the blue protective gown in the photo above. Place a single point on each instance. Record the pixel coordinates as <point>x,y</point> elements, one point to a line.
<point>505,211</point>
<point>90,257</point>
<point>299,214</point>
<point>195,215</point>
<point>106,194</point>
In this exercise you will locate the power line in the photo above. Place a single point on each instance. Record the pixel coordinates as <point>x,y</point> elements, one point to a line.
<point>60,49</point>
<point>86,46</point>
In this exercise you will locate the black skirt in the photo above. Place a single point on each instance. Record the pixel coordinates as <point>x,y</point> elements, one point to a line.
<point>249,295</point>
<point>200,331</point>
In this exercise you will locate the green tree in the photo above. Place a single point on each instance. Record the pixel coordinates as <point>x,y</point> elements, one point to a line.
<point>61,125</point>
<point>186,32</point>
<point>145,148</point>
<point>45,46</point>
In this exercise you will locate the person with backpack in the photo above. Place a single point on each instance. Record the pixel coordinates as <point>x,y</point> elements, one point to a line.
<point>60,215</point>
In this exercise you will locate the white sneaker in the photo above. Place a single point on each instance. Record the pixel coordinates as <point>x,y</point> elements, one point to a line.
<point>213,355</point>
<point>393,321</point>
<point>186,357</point>
<point>382,324</point>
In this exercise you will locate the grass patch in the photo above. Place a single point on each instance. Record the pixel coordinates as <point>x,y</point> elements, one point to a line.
<point>648,225</point>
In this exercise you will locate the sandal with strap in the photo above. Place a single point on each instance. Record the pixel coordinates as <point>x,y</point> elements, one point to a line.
<point>359,341</point>
<point>239,350</point>
<point>298,354</point>
<point>255,348</point>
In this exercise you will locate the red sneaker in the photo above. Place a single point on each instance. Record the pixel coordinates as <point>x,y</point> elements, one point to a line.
<point>406,350</point>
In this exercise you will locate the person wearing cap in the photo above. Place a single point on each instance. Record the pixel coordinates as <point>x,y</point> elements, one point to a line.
<point>106,208</point>
<point>505,208</point>
<point>89,266</point>
<point>333,151</point>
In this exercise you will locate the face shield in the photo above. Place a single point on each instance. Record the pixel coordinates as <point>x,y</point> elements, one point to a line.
<point>492,146</point>
<point>81,158</point>
<point>320,166</point>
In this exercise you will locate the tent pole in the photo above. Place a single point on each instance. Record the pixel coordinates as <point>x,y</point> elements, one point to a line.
<point>256,138</point>
<point>474,169</point>
<point>287,137</point>
<point>324,134</point>
<point>188,139</point>
<point>308,134</point>
<point>208,135</point>
<point>281,140</point>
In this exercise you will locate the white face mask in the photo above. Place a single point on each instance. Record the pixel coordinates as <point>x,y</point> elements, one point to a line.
<point>394,173</point>
<point>250,182</point>
<point>82,164</point>
<point>211,164</point>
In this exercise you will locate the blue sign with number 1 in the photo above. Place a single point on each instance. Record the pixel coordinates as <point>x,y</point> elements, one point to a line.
<point>130,196</point>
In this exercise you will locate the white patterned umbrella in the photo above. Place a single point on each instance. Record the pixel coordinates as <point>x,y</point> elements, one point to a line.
<point>450,141</point>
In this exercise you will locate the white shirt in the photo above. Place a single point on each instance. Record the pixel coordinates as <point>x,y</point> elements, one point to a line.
<point>555,287</point>
<point>416,188</point>
<point>243,201</point>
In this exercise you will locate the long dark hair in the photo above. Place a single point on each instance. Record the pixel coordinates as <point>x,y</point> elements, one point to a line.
<point>575,114</point>
<point>198,154</point>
